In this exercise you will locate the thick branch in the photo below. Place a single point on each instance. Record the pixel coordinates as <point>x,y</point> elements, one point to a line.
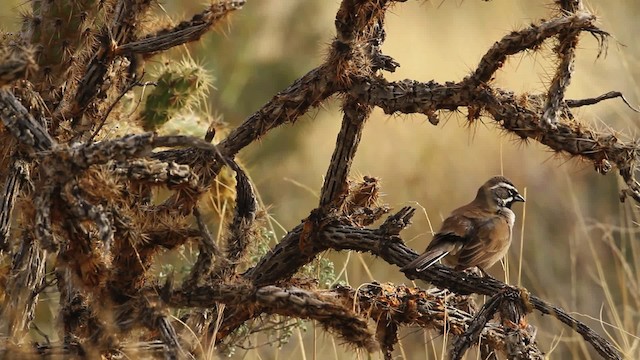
<point>155,172</point>
<point>285,107</point>
<point>236,293</point>
<point>127,147</point>
<point>284,259</point>
<point>308,305</point>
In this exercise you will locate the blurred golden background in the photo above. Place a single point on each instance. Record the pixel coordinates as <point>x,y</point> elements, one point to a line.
<point>580,248</point>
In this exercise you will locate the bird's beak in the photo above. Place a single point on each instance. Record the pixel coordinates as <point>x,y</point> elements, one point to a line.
<point>518,198</point>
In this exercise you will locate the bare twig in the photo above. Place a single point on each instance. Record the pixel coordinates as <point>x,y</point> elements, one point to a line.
<point>595,100</point>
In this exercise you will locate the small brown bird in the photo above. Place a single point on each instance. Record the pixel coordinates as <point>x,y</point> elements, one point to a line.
<point>476,234</point>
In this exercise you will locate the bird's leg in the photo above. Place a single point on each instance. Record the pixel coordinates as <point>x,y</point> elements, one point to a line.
<point>478,271</point>
<point>484,273</point>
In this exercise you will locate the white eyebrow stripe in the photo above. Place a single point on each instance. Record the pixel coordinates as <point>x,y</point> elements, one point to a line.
<point>505,185</point>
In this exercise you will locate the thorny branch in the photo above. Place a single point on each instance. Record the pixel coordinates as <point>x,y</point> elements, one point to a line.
<point>512,303</point>
<point>18,178</point>
<point>186,31</point>
<point>84,191</point>
<point>566,51</point>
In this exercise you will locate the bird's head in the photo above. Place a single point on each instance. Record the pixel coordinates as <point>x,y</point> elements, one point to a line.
<point>499,192</point>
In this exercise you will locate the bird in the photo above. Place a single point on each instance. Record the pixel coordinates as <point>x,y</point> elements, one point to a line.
<point>477,234</point>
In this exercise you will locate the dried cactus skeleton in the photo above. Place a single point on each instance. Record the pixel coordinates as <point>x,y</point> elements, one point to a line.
<point>85,210</point>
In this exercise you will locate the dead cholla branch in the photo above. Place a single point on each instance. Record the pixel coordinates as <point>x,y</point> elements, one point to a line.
<point>92,210</point>
<point>519,337</point>
<point>17,179</point>
<point>22,124</point>
<point>343,309</point>
<point>150,171</point>
<point>304,304</point>
<point>529,39</point>
<point>186,31</point>
<point>565,51</point>
<point>520,116</point>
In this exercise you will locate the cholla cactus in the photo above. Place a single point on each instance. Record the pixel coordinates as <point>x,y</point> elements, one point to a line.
<point>62,32</point>
<point>179,87</point>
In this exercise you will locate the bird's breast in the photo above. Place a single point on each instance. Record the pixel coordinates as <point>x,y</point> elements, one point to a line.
<point>509,215</point>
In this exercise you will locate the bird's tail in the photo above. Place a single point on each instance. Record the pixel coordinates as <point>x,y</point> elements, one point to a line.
<point>425,260</point>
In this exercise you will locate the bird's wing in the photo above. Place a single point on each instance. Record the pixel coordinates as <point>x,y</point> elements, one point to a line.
<point>493,239</point>
<point>451,237</point>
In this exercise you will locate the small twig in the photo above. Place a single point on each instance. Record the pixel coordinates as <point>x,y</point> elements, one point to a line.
<point>45,284</point>
<point>102,121</point>
<point>595,100</point>
<point>208,243</point>
<point>207,250</point>
<point>41,333</point>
